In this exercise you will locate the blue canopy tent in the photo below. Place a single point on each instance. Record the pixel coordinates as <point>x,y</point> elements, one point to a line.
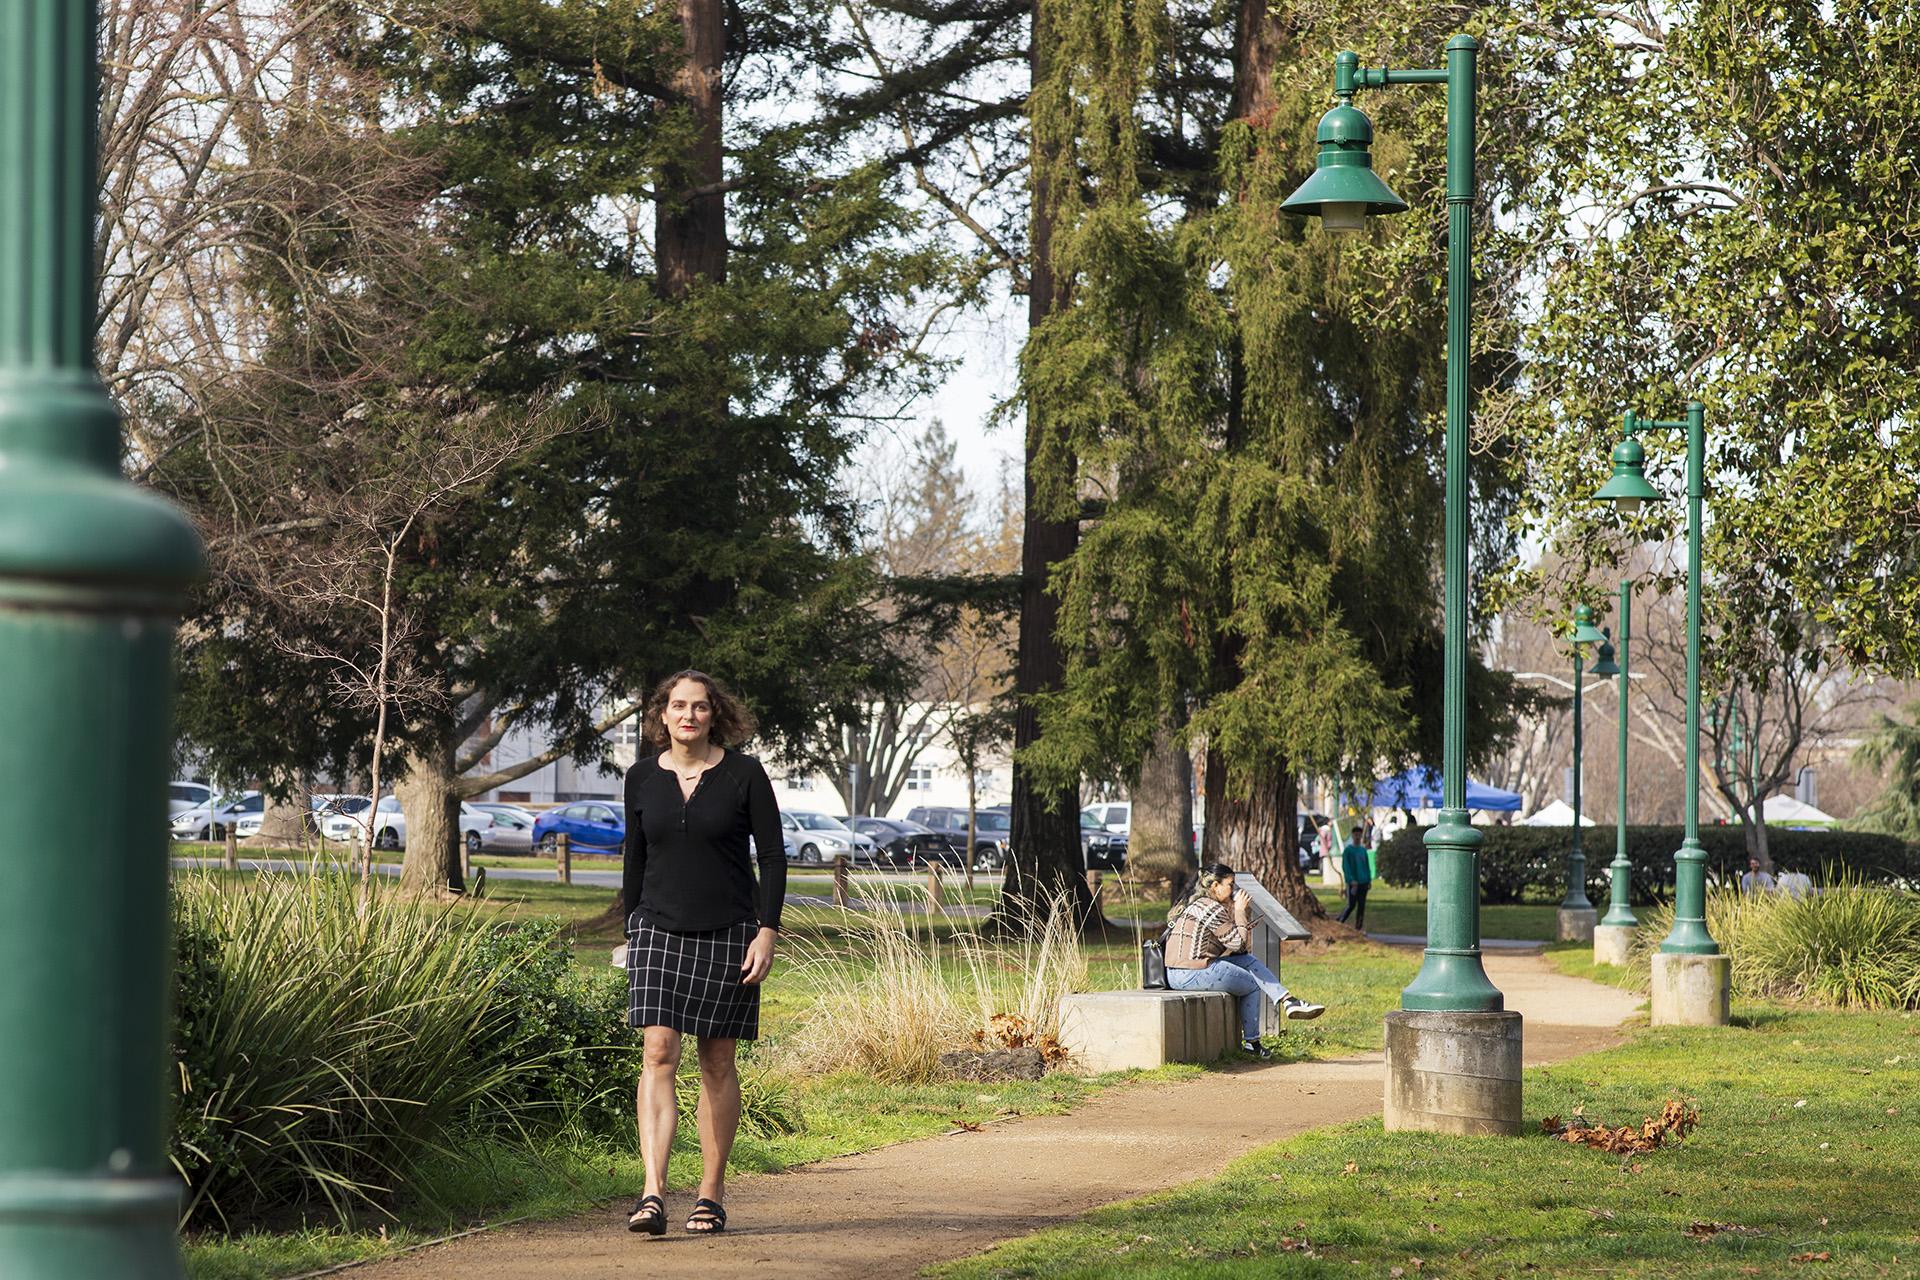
<point>1419,788</point>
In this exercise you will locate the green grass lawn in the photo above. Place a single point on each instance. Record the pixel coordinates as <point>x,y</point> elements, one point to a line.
<point>1804,1163</point>
<point>1575,959</point>
<point>1403,910</point>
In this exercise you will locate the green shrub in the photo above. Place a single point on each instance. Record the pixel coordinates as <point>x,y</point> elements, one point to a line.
<point>565,1054</point>
<point>325,1042</point>
<point>769,1108</point>
<point>1520,864</point>
<point>1852,945</point>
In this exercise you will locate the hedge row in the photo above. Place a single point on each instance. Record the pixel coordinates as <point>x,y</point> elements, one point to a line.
<point>1529,864</point>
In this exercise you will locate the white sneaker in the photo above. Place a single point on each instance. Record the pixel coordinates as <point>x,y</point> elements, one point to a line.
<point>1304,1010</point>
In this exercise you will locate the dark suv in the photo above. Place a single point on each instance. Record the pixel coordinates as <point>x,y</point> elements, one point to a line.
<point>1100,848</point>
<point>992,828</point>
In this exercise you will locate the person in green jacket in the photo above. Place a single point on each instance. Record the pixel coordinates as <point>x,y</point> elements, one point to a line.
<point>1357,870</point>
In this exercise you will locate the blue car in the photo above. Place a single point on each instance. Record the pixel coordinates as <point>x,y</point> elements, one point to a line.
<point>591,826</point>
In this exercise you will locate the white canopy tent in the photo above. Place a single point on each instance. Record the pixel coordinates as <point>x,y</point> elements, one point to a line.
<point>1557,814</point>
<point>1783,808</point>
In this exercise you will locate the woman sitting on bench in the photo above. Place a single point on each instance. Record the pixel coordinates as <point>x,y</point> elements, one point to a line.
<point>1206,950</point>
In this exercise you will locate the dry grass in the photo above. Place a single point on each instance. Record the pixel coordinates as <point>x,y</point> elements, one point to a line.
<point>896,988</point>
<point>1851,945</point>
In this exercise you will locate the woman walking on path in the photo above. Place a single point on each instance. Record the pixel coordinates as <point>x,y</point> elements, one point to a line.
<point>1206,950</point>
<point>700,933</point>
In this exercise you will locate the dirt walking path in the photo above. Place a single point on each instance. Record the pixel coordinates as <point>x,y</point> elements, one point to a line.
<point>892,1211</point>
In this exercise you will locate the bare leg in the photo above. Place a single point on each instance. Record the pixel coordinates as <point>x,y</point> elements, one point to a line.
<point>719,1113</point>
<point>660,1058</point>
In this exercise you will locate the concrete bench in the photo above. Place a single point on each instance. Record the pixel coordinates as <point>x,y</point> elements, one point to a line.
<point>1125,1030</point>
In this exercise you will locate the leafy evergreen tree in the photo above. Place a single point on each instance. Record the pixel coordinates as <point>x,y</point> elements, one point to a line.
<point>1892,748</point>
<point>685,508</point>
<point>1256,409</point>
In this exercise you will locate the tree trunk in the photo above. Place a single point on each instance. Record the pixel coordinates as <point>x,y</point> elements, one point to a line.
<point>429,799</point>
<point>1257,37</point>
<point>1044,859</point>
<point>1160,842</point>
<point>1255,827</point>
<point>690,231</point>
<point>284,823</point>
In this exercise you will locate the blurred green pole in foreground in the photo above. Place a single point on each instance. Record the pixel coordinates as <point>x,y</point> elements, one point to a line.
<point>92,576</point>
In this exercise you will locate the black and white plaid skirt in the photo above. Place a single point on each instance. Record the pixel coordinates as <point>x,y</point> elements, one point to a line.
<point>691,981</point>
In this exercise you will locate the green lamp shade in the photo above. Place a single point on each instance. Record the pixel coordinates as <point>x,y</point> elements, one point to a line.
<point>1344,189</point>
<point>1628,486</point>
<point>1605,665</point>
<point>1584,632</point>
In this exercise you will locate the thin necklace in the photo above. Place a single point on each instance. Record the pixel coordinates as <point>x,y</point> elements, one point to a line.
<point>689,777</point>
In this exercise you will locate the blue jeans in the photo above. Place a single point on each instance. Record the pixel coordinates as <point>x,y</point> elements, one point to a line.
<point>1241,975</point>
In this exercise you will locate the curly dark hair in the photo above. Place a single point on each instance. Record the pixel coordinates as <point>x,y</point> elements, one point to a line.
<point>732,723</point>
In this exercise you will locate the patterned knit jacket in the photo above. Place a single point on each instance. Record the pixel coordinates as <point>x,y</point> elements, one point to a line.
<point>1206,930</point>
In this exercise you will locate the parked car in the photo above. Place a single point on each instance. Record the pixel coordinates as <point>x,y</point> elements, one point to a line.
<point>247,825</point>
<point>992,830</point>
<point>1114,815</point>
<point>1100,847</point>
<point>339,816</point>
<point>1310,824</point>
<point>591,826</point>
<point>182,796</point>
<point>390,824</point>
<point>210,821</point>
<point>902,843</point>
<point>820,837</point>
<point>511,832</point>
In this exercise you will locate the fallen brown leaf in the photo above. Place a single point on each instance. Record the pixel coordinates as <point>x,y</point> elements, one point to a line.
<point>1352,1167</point>
<point>1822,1256</point>
<point>967,1125</point>
<point>1674,1120</point>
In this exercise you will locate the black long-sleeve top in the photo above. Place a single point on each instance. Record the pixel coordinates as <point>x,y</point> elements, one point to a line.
<point>687,868</point>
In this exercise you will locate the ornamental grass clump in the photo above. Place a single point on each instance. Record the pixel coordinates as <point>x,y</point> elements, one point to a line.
<point>329,1039</point>
<point>896,988</point>
<point>1849,944</point>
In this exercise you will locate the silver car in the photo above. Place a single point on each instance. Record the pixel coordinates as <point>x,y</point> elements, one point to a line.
<point>210,821</point>
<point>390,824</point>
<point>511,832</point>
<point>820,837</point>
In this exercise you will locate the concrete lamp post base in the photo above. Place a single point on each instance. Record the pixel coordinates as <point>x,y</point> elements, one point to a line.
<point>1456,1073</point>
<point>1691,990</point>
<point>1611,943</point>
<point>1576,924</point>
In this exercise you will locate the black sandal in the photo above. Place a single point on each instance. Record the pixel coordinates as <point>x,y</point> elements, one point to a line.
<point>649,1214</point>
<point>707,1218</point>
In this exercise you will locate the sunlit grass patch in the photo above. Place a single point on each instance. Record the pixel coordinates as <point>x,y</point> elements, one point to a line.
<point>1805,1147</point>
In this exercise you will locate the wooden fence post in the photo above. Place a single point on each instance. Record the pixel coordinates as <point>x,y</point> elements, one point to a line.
<point>840,880</point>
<point>231,860</point>
<point>563,858</point>
<point>1094,887</point>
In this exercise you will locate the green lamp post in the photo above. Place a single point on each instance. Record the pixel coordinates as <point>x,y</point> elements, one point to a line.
<point>1576,916</point>
<point>1451,1010</point>
<point>92,574</point>
<point>1613,935</point>
<point>1690,974</point>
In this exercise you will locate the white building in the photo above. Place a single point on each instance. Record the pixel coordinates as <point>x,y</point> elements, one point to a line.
<point>936,777</point>
<point>565,780</point>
